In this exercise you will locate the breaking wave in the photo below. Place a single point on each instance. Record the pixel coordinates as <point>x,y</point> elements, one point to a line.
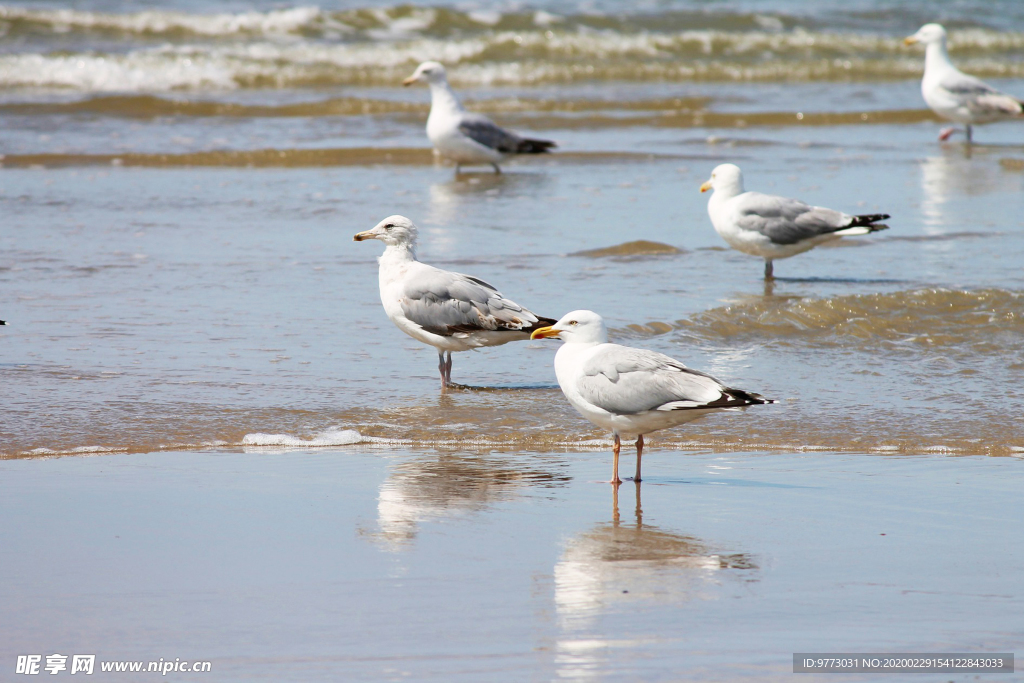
<point>986,321</point>
<point>308,46</point>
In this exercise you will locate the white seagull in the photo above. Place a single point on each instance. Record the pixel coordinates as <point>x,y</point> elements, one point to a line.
<point>953,94</point>
<point>775,227</point>
<point>462,136</point>
<point>449,311</point>
<point>632,391</point>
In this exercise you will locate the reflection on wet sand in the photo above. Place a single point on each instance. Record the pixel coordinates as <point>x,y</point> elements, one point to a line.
<point>959,173</point>
<point>447,199</point>
<point>620,566</point>
<point>448,485</point>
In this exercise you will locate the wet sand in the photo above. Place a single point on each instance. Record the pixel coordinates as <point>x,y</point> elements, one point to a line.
<point>393,564</point>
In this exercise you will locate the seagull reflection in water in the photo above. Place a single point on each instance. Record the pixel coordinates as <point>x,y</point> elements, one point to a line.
<point>628,566</point>
<point>448,486</point>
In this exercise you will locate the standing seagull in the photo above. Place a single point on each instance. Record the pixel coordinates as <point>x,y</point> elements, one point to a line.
<point>462,136</point>
<point>449,311</point>
<point>953,94</point>
<point>632,391</point>
<point>775,227</point>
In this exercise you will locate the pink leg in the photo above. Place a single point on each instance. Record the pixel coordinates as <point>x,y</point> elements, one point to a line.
<point>945,133</point>
<point>443,369</point>
<point>615,461</point>
<point>639,454</point>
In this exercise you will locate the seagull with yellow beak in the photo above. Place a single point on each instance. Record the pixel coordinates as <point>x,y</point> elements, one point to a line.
<point>954,95</point>
<point>632,391</point>
<point>775,227</point>
<point>463,136</point>
<point>447,310</point>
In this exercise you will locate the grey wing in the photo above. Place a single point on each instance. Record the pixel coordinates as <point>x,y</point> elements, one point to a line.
<point>979,97</point>
<point>453,304</point>
<point>626,381</point>
<point>787,221</point>
<point>481,129</point>
<point>965,86</point>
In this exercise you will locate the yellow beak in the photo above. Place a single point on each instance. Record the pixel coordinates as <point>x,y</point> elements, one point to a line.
<point>544,332</point>
<point>909,40</point>
<point>706,186</point>
<point>409,81</point>
<point>360,236</point>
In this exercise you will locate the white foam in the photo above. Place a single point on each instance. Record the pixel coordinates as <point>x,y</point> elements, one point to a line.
<point>405,26</point>
<point>138,71</point>
<point>486,17</point>
<point>291,60</point>
<point>80,450</point>
<point>283,21</point>
<point>330,437</point>
<point>545,19</point>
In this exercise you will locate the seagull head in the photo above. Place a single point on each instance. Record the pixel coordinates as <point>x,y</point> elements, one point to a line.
<point>726,178</point>
<point>393,231</point>
<point>431,72</point>
<point>927,34</point>
<point>580,327</point>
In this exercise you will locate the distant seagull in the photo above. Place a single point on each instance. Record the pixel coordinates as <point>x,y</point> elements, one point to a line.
<point>953,94</point>
<point>462,136</point>
<point>449,311</point>
<point>628,390</point>
<point>775,227</point>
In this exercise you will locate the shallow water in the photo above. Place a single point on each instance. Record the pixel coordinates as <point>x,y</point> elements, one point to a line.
<point>172,305</point>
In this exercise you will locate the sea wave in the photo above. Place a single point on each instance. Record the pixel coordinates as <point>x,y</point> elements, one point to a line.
<point>311,47</point>
<point>707,30</point>
<point>472,62</point>
<point>985,321</point>
<point>330,437</point>
<point>156,22</point>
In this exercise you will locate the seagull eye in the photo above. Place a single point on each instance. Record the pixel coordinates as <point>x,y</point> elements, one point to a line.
<point>573,322</point>
<point>389,226</point>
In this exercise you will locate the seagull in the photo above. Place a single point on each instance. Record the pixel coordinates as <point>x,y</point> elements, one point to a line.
<point>449,311</point>
<point>953,94</point>
<point>628,390</point>
<point>462,136</point>
<point>775,227</point>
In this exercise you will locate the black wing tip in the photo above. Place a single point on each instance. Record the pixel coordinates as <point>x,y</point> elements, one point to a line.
<point>3,322</point>
<point>733,398</point>
<point>469,328</point>
<point>541,322</point>
<point>532,146</point>
<point>747,398</point>
<point>869,220</point>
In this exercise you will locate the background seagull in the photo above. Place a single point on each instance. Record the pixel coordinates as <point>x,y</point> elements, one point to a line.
<point>462,136</point>
<point>953,94</point>
<point>628,390</point>
<point>449,311</point>
<point>775,227</point>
